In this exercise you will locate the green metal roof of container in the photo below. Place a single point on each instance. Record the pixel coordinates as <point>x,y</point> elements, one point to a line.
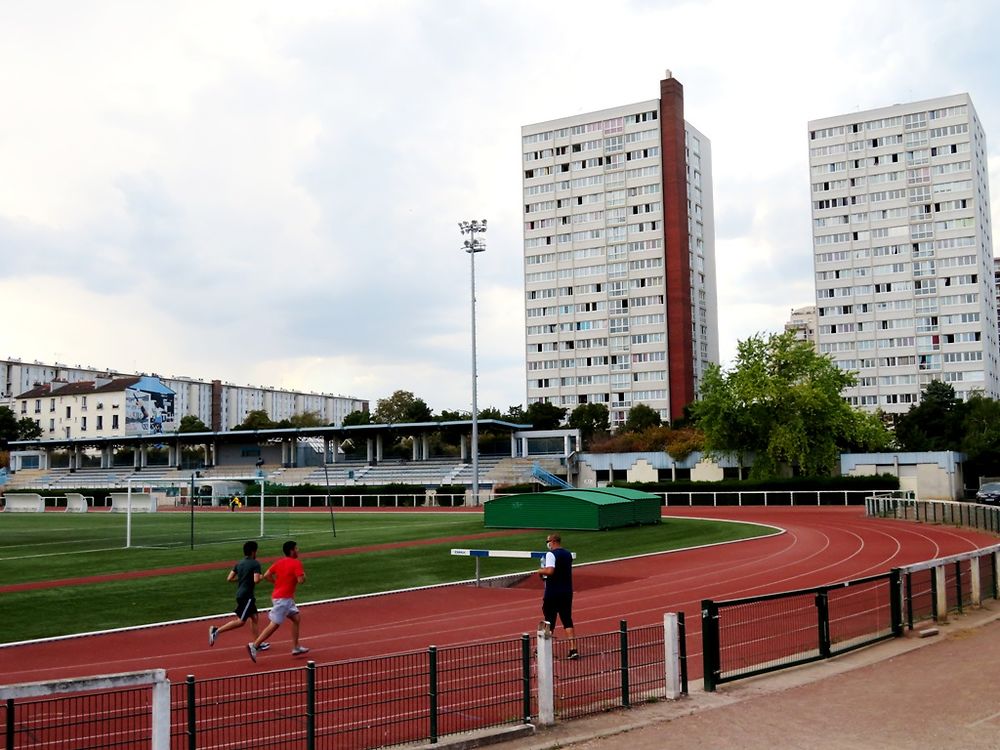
<point>595,508</point>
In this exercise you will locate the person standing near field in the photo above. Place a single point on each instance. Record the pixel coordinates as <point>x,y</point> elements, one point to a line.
<point>557,572</point>
<point>246,575</point>
<point>286,574</point>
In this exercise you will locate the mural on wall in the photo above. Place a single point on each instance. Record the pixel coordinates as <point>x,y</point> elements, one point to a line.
<point>149,408</point>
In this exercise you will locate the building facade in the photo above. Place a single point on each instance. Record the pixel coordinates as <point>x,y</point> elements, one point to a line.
<point>101,408</point>
<point>221,406</point>
<point>619,258</point>
<point>802,322</point>
<point>903,253</point>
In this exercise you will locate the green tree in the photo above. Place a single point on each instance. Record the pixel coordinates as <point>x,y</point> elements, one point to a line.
<point>28,429</point>
<point>781,402</point>
<point>591,420</point>
<point>981,437</point>
<point>305,419</point>
<point>402,407</point>
<point>8,425</point>
<point>935,424</point>
<point>191,423</point>
<point>544,416</point>
<point>359,416</point>
<point>256,419</point>
<point>641,417</point>
<point>515,414</point>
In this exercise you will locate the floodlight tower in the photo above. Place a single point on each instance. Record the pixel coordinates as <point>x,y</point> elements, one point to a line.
<point>472,246</point>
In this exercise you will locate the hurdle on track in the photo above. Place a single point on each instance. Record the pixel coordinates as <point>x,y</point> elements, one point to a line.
<point>481,553</point>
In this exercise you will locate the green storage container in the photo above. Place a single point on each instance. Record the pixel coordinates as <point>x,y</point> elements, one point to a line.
<point>587,509</point>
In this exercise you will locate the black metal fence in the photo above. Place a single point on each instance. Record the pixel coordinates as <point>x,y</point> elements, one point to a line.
<point>95,720</point>
<point>746,637</point>
<point>377,702</point>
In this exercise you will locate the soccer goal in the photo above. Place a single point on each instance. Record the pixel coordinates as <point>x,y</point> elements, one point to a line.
<point>193,511</point>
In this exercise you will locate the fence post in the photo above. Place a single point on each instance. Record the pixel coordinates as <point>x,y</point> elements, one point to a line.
<point>546,688</point>
<point>526,677</point>
<point>432,691</point>
<point>958,581</point>
<point>940,595</point>
<point>10,724</point>
<point>161,715</point>
<point>311,705</point>
<point>191,717</point>
<point>896,601</point>
<point>710,644</point>
<point>975,582</point>
<point>671,655</point>
<point>993,568</point>
<point>623,649</point>
<point>823,621</point>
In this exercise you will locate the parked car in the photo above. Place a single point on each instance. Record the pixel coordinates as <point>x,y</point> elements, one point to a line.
<point>989,493</point>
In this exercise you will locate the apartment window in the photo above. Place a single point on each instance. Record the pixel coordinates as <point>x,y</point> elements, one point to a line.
<point>100,422</point>
<point>114,421</point>
<point>52,404</point>
<point>83,423</point>
<point>38,406</point>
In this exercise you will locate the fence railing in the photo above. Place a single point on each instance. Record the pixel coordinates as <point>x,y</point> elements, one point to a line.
<point>751,636</point>
<point>747,637</point>
<point>771,498</point>
<point>398,699</point>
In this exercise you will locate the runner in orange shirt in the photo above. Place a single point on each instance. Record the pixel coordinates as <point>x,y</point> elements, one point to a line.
<point>286,574</point>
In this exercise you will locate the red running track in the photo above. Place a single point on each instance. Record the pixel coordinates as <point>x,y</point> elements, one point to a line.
<point>818,546</point>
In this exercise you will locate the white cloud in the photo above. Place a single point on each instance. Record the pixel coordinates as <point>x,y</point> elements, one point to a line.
<point>269,196</point>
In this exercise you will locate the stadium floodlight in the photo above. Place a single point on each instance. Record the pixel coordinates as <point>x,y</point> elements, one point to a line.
<point>472,246</point>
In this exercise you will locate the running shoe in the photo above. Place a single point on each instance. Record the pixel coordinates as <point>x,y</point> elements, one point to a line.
<point>213,633</point>
<point>252,650</point>
<point>299,650</point>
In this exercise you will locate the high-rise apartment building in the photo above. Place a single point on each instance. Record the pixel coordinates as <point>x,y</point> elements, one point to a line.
<point>903,254</point>
<point>803,323</point>
<point>619,258</point>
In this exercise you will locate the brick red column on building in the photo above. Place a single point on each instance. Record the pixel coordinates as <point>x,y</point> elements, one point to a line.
<point>676,257</point>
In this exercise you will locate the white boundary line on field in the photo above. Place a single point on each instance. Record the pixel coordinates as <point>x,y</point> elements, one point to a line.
<point>468,581</point>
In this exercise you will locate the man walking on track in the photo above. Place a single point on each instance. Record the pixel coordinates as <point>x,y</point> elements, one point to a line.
<point>286,574</point>
<point>557,572</point>
<point>246,575</point>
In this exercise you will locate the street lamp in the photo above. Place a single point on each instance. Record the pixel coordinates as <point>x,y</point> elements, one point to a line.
<point>472,246</point>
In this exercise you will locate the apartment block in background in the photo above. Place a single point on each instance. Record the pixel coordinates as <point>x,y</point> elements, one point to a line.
<point>619,258</point>
<point>903,253</point>
<point>803,322</point>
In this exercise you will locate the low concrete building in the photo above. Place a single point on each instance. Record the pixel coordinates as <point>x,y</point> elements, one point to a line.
<point>931,475</point>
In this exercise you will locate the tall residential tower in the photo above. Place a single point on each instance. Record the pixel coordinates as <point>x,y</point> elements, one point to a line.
<point>902,250</point>
<point>619,258</point>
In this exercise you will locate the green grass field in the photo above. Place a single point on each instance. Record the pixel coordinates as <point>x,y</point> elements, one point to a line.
<point>52,547</point>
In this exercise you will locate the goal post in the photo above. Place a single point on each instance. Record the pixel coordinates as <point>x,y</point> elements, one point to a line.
<point>60,709</point>
<point>171,512</point>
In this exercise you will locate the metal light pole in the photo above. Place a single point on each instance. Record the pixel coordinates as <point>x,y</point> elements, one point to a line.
<point>472,246</point>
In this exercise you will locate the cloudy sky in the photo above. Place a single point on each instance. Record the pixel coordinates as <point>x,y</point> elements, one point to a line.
<point>268,193</point>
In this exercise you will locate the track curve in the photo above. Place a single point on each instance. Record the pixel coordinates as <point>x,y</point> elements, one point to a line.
<point>818,546</point>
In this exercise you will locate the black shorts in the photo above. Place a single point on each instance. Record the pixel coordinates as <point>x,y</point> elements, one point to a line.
<point>246,608</point>
<point>561,605</point>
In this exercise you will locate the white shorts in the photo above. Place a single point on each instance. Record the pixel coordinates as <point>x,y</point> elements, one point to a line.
<point>281,609</point>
